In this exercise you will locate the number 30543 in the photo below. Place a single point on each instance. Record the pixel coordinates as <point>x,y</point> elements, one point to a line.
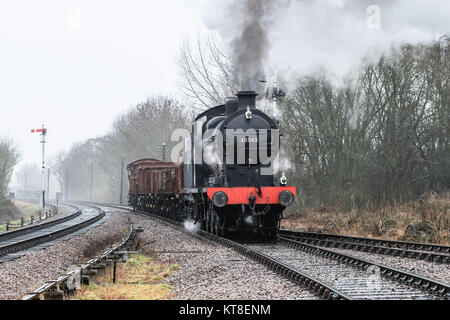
<point>249,139</point>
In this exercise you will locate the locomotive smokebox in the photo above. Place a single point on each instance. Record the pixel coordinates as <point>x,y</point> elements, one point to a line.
<point>246,99</point>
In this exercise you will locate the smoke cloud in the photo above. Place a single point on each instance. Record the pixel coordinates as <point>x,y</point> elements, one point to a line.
<point>250,47</point>
<point>245,27</point>
<point>268,38</point>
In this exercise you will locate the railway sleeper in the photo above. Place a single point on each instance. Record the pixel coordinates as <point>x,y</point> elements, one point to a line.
<point>85,280</point>
<point>88,272</point>
<point>317,288</point>
<point>100,268</point>
<point>54,295</point>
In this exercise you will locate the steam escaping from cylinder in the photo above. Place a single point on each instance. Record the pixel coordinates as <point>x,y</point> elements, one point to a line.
<point>191,226</point>
<point>250,220</point>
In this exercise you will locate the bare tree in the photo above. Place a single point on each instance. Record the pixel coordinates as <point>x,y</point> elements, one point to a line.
<point>58,167</point>
<point>379,139</point>
<point>138,133</point>
<point>29,177</point>
<point>206,75</point>
<point>9,157</point>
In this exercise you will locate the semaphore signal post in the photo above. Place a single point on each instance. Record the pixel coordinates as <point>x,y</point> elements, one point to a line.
<point>43,133</point>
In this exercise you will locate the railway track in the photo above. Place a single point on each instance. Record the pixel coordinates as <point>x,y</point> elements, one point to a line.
<point>315,285</point>
<point>329,274</point>
<point>64,285</point>
<point>361,278</point>
<point>15,243</point>
<point>419,251</point>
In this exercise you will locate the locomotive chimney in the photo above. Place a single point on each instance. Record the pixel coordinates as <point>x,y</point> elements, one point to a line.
<point>231,105</point>
<point>246,99</point>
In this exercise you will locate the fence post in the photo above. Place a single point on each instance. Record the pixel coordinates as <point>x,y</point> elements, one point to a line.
<point>21,222</point>
<point>32,219</point>
<point>7,226</point>
<point>114,271</point>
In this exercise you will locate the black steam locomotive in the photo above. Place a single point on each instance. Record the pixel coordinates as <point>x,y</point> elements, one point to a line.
<point>226,183</point>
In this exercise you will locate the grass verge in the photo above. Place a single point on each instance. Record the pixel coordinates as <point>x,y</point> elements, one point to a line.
<point>17,209</point>
<point>140,278</point>
<point>425,220</point>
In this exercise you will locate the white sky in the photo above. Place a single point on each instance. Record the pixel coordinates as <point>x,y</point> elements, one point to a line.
<point>75,65</point>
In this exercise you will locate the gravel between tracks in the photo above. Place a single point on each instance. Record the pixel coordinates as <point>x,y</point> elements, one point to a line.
<point>356,283</point>
<point>210,271</point>
<point>428,269</point>
<point>31,271</point>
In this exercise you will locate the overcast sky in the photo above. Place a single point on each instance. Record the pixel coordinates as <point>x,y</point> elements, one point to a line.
<point>76,64</point>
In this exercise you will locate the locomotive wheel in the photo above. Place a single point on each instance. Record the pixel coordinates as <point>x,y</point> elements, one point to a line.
<point>216,225</point>
<point>270,236</point>
<point>207,223</point>
<point>213,223</point>
<point>203,225</point>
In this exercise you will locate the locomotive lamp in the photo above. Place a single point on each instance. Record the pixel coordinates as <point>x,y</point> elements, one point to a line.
<point>286,198</point>
<point>248,114</point>
<point>220,199</point>
<point>283,179</point>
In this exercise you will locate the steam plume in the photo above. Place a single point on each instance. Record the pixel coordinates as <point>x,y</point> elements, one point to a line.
<point>290,38</point>
<point>245,27</point>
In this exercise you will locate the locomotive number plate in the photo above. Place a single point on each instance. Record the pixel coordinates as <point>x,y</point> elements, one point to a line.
<point>248,139</point>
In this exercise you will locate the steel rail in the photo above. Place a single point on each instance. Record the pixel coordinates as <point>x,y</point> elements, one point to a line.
<point>431,286</point>
<point>404,253</point>
<point>61,282</point>
<point>368,241</point>
<point>32,242</point>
